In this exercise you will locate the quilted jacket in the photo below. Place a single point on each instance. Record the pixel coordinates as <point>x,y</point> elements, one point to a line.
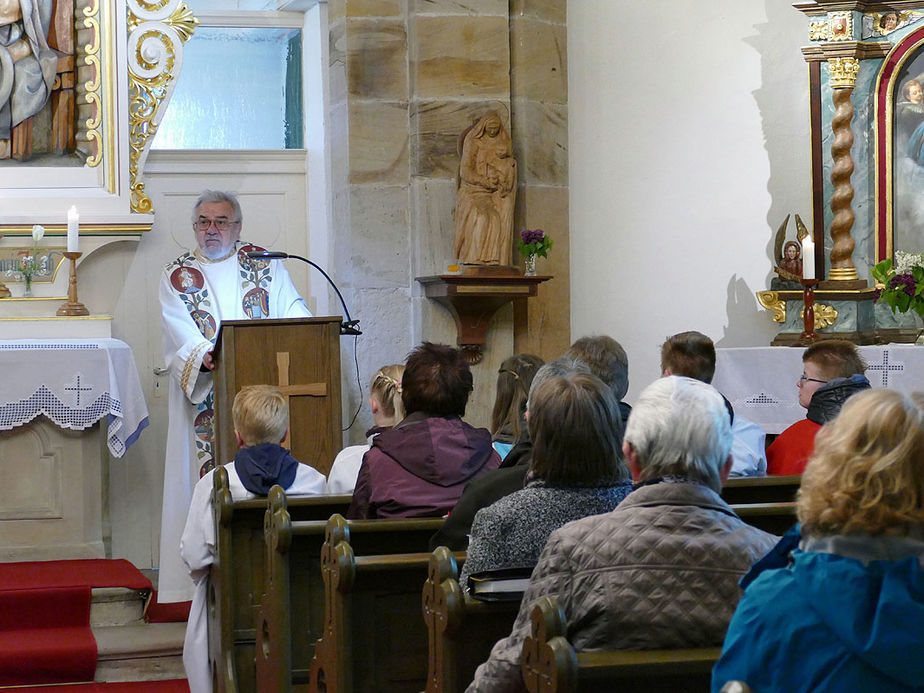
<point>659,571</point>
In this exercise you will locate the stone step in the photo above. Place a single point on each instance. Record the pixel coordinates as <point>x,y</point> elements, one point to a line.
<point>142,652</point>
<point>117,606</point>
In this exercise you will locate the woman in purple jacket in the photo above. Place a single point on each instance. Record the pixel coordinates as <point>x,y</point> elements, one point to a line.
<point>420,467</point>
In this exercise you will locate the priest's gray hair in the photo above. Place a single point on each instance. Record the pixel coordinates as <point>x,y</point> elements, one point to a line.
<point>218,196</point>
<point>680,427</point>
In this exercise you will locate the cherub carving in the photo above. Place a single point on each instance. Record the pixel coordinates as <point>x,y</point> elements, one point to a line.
<point>788,256</point>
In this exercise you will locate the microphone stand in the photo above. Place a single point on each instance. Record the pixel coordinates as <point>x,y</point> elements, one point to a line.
<point>348,326</point>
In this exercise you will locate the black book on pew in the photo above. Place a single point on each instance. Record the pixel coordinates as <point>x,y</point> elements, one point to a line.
<point>499,585</point>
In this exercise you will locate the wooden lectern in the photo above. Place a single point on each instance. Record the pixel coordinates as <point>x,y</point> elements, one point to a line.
<point>301,356</point>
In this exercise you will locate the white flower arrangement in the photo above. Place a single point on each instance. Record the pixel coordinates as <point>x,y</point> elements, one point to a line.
<point>906,262</point>
<point>29,263</point>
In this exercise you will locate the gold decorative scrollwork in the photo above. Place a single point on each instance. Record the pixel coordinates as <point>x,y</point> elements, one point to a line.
<point>91,130</point>
<point>818,31</point>
<point>825,315</point>
<point>184,22</point>
<point>843,72</point>
<point>158,29</point>
<point>772,302</point>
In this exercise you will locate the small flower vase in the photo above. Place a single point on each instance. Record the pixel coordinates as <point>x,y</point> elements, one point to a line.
<point>530,264</point>
<point>27,293</point>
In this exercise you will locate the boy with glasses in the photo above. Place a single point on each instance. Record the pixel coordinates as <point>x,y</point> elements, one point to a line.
<point>832,371</point>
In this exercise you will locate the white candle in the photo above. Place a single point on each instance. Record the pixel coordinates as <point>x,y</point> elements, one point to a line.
<point>808,258</point>
<point>73,229</point>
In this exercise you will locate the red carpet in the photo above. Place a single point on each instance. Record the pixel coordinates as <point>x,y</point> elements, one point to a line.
<point>93,572</point>
<point>45,636</point>
<point>174,612</point>
<point>170,686</point>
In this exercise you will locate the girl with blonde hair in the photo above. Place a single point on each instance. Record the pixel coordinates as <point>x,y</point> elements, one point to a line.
<point>387,410</point>
<point>843,611</point>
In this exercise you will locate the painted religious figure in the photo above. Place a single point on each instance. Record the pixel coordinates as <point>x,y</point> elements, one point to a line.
<point>486,194</point>
<point>27,64</point>
<point>788,256</point>
<point>908,155</point>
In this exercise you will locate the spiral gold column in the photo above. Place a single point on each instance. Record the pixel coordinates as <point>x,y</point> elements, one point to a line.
<point>843,78</point>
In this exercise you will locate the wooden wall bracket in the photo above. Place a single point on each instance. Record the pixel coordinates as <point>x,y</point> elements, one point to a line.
<point>473,300</point>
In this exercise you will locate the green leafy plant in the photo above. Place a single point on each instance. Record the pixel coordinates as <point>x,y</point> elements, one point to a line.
<point>534,242</point>
<point>901,285</point>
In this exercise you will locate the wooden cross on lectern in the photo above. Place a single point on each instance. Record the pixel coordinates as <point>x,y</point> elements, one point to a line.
<point>306,390</point>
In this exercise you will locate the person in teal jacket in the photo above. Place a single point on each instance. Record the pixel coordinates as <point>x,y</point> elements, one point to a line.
<point>838,605</point>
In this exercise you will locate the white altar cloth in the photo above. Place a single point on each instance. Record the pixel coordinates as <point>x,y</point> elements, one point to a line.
<point>760,382</point>
<point>75,383</point>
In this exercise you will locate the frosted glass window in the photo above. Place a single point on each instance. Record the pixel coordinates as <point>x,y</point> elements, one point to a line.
<point>237,89</point>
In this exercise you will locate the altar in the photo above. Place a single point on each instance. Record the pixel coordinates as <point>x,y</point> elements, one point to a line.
<point>760,382</point>
<point>68,406</point>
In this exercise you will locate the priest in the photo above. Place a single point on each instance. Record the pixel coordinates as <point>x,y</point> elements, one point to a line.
<point>215,282</point>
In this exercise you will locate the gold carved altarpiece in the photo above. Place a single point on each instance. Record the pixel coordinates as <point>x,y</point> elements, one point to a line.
<point>127,55</point>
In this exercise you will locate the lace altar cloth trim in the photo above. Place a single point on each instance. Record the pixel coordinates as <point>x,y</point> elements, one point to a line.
<point>75,390</point>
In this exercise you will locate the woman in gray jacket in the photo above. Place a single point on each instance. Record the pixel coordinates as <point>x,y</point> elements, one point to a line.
<point>577,469</point>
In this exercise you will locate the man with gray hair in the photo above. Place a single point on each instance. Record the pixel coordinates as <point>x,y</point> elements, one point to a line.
<point>662,569</point>
<point>215,281</point>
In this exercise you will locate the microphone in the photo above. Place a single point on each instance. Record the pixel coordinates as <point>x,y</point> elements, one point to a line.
<point>348,326</point>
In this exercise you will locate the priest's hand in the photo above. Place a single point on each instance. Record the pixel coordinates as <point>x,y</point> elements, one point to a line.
<point>208,362</point>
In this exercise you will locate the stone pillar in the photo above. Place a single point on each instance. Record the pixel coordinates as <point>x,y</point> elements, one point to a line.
<point>459,70</point>
<point>369,180</point>
<point>539,96</point>
<point>406,79</point>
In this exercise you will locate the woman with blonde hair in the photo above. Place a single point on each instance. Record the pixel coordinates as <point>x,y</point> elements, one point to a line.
<point>387,410</point>
<point>843,611</point>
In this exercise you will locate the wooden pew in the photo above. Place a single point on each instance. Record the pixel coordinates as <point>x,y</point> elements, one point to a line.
<point>550,664</point>
<point>460,630</point>
<point>775,518</point>
<point>761,489</point>
<point>293,615</point>
<point>236,578</point>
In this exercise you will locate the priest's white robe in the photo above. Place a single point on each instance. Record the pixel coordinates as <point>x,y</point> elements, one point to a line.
<point>197,548</point>
<point>195,296</point>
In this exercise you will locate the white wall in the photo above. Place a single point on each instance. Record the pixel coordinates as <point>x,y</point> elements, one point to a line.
<point>689,144</point>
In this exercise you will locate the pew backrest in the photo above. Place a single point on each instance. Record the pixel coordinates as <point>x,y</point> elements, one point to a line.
<point>460,630</point>
<point>550,664</point>
<point>761,489</point>
<point>292,615</point>
<point>775,518</point>
<point>373,636</point>
<point>237,577</point>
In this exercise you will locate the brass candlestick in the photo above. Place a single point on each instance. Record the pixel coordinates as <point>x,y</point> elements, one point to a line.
<point>808,318</point>
<point>73,306</point>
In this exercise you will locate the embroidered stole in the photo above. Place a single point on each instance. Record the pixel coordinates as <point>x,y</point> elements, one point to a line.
<point>188,284</point>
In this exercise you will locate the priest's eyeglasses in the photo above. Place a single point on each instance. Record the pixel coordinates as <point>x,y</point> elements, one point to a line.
<point>203,223</point>
<point>804,377</point>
